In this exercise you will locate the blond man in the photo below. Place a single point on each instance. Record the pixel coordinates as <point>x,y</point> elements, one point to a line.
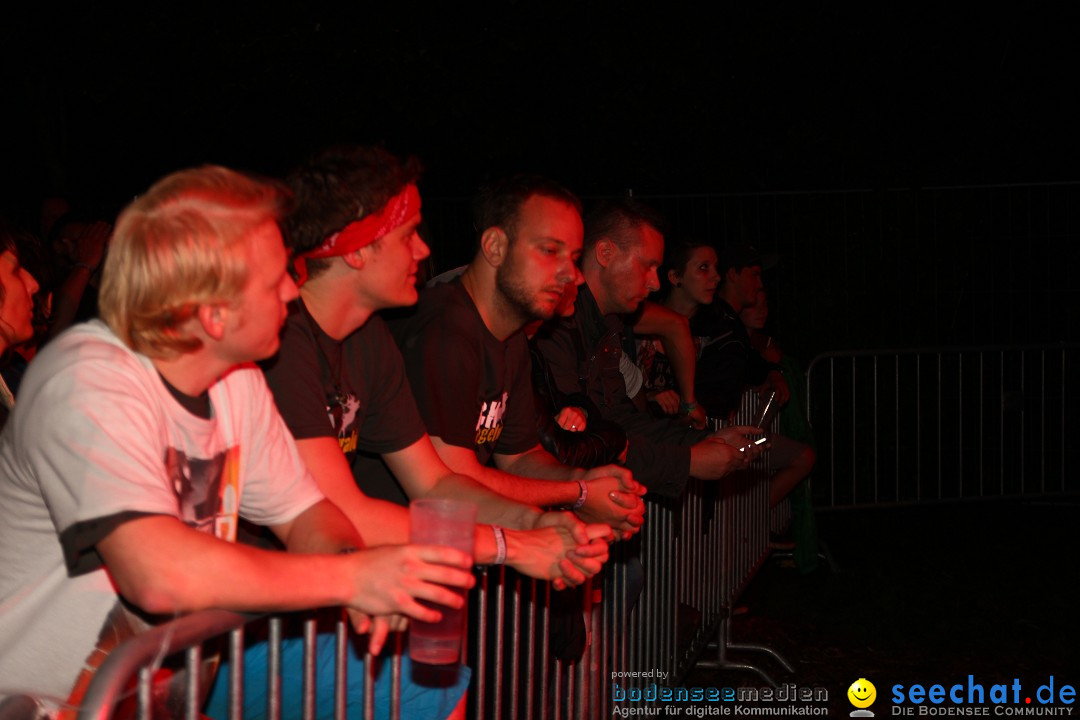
<point>140,441</point>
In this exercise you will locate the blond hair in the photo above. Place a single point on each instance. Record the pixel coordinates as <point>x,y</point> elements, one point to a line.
<point>180,246</point>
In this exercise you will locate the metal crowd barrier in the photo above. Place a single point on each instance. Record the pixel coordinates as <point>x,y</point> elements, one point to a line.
<point>663,602</point>
<point>909,426</point>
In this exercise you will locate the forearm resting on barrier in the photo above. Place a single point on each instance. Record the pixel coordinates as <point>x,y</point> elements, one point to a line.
<point>165,567</point>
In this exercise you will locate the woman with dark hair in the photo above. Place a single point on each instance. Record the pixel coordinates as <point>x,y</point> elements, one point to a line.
<point>17,288</point>
<point>689,279</point>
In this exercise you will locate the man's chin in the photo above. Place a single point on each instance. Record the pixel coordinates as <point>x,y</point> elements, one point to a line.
<point>542,313</point>
<point>270,352</point>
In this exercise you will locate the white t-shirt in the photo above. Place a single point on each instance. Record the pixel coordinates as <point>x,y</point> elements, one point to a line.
<point>97,439</point>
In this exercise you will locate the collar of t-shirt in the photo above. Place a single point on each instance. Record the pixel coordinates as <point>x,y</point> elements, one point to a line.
<point>198,406</point>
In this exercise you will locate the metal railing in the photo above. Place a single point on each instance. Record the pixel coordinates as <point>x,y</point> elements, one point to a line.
<point>662,601</point>
<point>919,425</point>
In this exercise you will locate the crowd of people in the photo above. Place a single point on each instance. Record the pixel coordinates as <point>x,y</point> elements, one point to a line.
<point>233,424</point>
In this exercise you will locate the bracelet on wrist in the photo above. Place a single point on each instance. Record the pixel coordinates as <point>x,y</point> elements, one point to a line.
<point>583,495</point>
<point>688,407</point>
<point>500,545</point>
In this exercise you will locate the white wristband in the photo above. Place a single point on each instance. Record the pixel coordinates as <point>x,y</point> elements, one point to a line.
<point>500,545</point>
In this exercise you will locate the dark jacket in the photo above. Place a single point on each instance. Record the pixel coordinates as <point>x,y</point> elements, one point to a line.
<point>583,355</point>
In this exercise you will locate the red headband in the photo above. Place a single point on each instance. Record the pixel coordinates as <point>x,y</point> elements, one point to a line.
<point>363,232</point>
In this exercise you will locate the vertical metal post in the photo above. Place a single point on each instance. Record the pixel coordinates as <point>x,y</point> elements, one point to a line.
<point>369,686</point>
<point>145,694</point>
<point>273,671</point>
<point>194,666</point>
<point>557,710</point>
<point>395,679</point>
<point>481,644</point>
<point>307,702</point>
<point>341,669</point>
<point>515,638</point>
<point>236,674</point>
<point>500,639</point>
<point>530,651</point>
<point>545,656</point>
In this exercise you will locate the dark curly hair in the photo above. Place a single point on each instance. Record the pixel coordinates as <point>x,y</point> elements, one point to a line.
<point>339,185</point>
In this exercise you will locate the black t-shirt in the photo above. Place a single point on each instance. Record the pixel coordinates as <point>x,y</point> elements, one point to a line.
<point>473,390</point>
<point>354,390</point>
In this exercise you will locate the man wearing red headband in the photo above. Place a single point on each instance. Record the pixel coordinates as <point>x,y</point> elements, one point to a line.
<point>339,384</point>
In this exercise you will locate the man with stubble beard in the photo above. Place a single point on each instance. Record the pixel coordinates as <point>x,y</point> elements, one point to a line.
<point>622,250</point>
<point>468,361</point>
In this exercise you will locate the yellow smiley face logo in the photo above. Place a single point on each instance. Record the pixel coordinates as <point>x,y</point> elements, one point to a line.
<point>862,693</point>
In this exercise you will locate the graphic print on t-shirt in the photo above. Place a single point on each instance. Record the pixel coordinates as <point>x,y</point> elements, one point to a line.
<point>208,495</point>
<point>207,490</point>
<point>490,423</point>
<point>342,409</point>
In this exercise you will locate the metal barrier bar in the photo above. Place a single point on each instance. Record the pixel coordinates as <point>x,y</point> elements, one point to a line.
<point>127,660</point>
<point>956,424</point>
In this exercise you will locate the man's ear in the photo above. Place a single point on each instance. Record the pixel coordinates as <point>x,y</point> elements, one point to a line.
<point>494,244</point>
<point>604,252</point>
<point>355,259</point>
<point>731,275</point>
<point>211,317</point>
<point>673,277</point>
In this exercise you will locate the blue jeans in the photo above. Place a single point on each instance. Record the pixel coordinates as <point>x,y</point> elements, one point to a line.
<point>426,691</point>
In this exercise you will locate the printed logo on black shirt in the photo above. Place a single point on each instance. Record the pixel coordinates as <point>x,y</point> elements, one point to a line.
<point>342,409</point>
<point>490,423</point>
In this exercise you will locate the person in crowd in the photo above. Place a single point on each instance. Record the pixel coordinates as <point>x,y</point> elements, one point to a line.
<point>792,424</point>
<point>17,290</point>
<point>712,291</point>
<point>697,263</point>
<point>671,331</point>
<point>339,379</point>
<point>140,440</point>
<point>468,362</point>
<point>623,249</point>
<point>78,244</point>
<point>570,427</point>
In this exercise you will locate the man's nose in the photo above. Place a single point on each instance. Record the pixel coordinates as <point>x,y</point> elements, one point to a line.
<point>653,280</point>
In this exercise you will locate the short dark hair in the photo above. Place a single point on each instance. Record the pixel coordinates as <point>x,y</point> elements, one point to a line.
<point>338,185</point>
<point>498,203</point>
<point>612,219</point>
